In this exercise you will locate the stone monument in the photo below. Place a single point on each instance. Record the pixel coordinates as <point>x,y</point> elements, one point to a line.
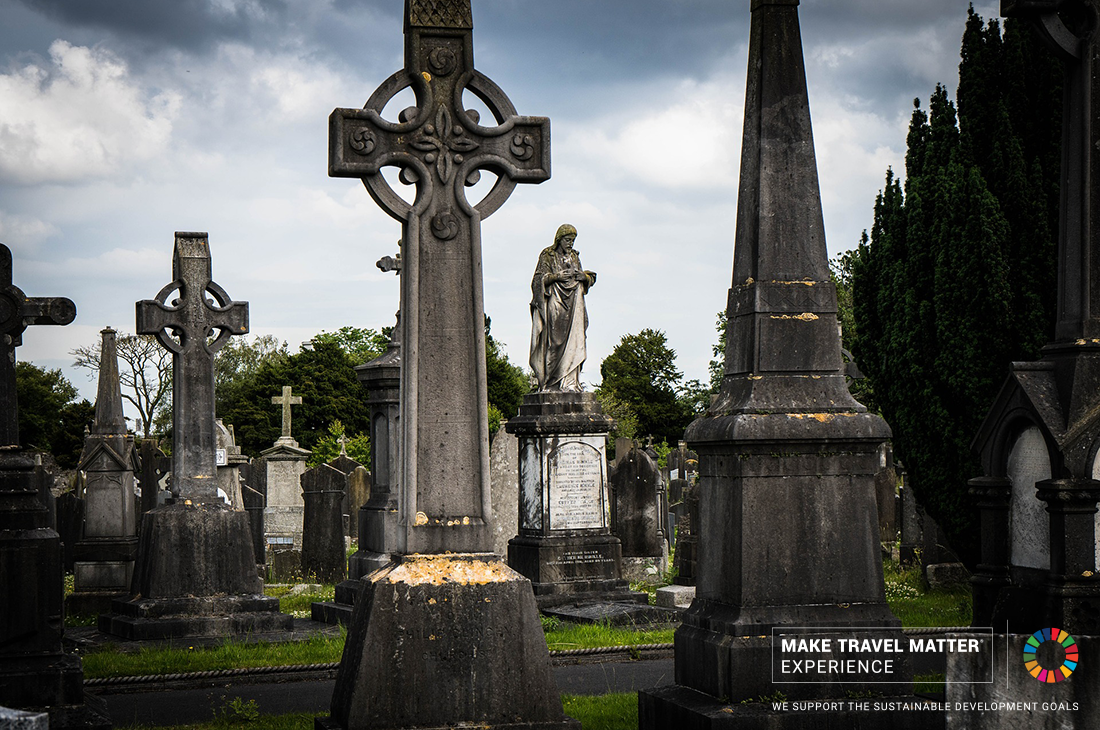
<point>228,461</point>
<point>196,572</point>
<point>447,634</point>
<point>636,516</point>
<point>1040,551</point>
<point>564,545</point>
<point>104,556</point>
<point>155,466</point>
<point>35,674</point>
<point>283,464</point>
<point>787,457</point>
<point>323,549</point>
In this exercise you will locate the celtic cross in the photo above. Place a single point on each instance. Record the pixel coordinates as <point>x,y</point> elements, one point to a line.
<point>1070,29</point>
<point>17,312</point>
<point>440,147</point>
<point>193,327</point>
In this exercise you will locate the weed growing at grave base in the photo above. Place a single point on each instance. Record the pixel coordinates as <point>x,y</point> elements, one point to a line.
<point>929,684</point>
<point>295,721</point>
<point>110,662</point>
<point>564,636</point>
<point>917,604</point>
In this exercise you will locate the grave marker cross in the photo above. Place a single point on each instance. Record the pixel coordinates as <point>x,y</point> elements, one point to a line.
<point>286,400</point>
<point>441,147</point>
<point>186,328</point>
<point>17,312</point>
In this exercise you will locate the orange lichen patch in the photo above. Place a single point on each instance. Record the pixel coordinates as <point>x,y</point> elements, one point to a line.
<point>1094,341</point>
<point>439,569</point>
<point>805,316</point>
<point>421,519</point>
<point>805,282</point>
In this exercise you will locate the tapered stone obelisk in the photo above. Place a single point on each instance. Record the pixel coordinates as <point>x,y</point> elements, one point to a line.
<point>447,635</point>
<point>788,543</point>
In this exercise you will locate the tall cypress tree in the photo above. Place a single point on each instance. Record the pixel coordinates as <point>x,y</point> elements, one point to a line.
<point>956,278</point>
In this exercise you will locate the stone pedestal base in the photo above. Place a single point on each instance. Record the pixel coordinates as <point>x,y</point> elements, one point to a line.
<point>443,641</point>
<point>51,684</point>
<point>572,568</point>
<point>195,576</point>
<point>680,707</point>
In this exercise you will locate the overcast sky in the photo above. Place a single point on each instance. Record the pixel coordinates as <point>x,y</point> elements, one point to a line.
<point>122,121</point>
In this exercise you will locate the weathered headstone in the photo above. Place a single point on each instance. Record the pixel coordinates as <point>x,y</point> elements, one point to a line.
<point>323,549</point>
<point>155,468</point>
<point>504,467</point>
<point>284,463</point>
<point>786,456</point>
<point>470,629</point>
<point>196,572</point>
<point>886,489</point>
<point>105,555</point>
<point>636,517</point>
<point>252,495</point>
<point>35,674</point>
<point>228,460</point>
<point>70,525</point>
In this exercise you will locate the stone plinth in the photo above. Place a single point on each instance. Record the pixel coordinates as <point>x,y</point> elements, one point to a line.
<point>423,628</point>
<point>196,576</point>
<point>565,546</point>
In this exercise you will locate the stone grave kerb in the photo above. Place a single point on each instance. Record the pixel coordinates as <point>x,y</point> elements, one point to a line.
<point>193,327</point>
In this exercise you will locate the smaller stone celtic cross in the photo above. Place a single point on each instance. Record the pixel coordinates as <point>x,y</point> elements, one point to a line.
<point>17,312</point>
<point>193,327</point>
<point>286,400</point>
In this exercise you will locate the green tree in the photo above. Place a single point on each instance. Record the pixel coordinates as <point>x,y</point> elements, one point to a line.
<point>50,417</point>
<point>361,345</point>
<point>507,383</point>
<point>956,278</point>
<point>321,373</point>
<point>327,447</point>
<point>641,372</point>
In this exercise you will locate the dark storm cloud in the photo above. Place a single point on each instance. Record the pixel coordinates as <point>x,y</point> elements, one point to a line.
<point>187,24</point>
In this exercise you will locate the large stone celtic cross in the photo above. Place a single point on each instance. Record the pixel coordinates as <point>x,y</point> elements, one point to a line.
<point>1070,28</point>
<point>17,312</point>
<point>193,327</point>
<point>441,146</point>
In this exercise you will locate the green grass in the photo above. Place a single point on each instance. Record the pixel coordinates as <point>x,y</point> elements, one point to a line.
<point>298,604</point>
<point>917,605</point>
<point>606,712</point>
<point>110,662</point>
<point>929,684</point>
<point>561,636</point>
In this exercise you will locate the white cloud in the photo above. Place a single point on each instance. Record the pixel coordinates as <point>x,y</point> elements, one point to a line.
<point>78,118</point>
<point>24,232</point>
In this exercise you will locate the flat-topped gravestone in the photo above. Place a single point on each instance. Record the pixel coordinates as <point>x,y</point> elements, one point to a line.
<point>637,516</point>
<point>196,572</point>
<point>104,557</point>
<point>469,626</point>
<point>787,458</point>
<point>323,548</point>
<point>35,673</point>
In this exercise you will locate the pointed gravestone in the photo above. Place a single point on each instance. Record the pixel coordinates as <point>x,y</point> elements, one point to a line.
<point>786,456</point>
<point>196,573</point>
<point>104,557</point>
<point>469,629</point>
<point>35,674</point>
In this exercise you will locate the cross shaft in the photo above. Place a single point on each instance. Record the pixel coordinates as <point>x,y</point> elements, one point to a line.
<point>286,400</point>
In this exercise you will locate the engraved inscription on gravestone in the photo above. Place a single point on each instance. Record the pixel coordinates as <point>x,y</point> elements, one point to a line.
<point>576,488</point>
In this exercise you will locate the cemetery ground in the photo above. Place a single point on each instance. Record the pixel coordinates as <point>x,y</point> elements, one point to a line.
<point>317,646</point>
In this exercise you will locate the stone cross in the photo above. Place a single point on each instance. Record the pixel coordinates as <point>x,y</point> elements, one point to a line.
<point>186,327</point>
<point>441,146</point>
<point>1067,26</point>
<point>17,312</point>
<point>286,400</point>
<point>343,441</point>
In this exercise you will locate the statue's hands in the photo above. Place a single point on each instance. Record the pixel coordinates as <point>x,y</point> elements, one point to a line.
<point>591,276</point>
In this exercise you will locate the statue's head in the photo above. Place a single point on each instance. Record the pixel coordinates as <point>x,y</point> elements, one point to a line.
<point>565,230</point>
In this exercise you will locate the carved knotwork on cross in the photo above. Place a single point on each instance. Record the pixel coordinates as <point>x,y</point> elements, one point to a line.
<point>193,327</point>
<point>17,312</point>
<point>441,147</point>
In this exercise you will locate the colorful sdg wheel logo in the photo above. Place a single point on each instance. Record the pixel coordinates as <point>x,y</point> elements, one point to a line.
<point>1050,655</point>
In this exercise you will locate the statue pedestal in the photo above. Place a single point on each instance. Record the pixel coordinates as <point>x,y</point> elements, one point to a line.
<point>565,546</point>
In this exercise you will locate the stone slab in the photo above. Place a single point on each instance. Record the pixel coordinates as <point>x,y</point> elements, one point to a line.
<point>616,613</point>
<point>675,596</point>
